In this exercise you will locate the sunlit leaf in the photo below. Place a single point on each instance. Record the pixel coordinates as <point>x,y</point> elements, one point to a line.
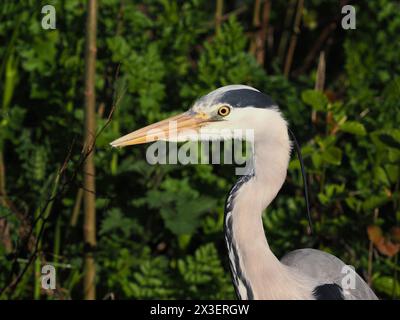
<point>387,285</point>
<point>332,155</point>
<point>316,99</point>
<point>353,127</point>
<point>390,141</point>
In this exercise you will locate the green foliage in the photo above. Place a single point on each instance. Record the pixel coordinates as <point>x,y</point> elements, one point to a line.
<point>225,60</point>
<point>204,276</point>
<point>388,285</point>
<point>353,127</point>
<point>316,99</point>
<point>174,210</point>
<point>160,227</point>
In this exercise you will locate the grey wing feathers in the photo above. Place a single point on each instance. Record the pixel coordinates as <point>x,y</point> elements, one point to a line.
<point>325,268</point>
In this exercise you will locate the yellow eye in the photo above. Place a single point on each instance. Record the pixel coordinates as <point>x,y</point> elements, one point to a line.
<point>224,111</point>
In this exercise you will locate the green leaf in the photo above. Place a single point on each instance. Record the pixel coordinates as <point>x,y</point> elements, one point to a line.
<point>353,203</point>
<point>389,141</point>
<point>185,218</point>
<point>316,99</point>
<point>115,221</point>
<point>316,160</point>
<point>393,172</point>
<point>323,198</point>
<point>384,138</point>
<point>203,273</point>
<point>180,206</point>
<point>332,155</point>
<point>354,127</point>
<point>388,286</point>
<point>375,201</point>
<point>381,176</point>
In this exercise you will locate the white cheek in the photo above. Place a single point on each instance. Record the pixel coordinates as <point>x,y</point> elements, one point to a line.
<point>235,125</point>
<point>248,123</point>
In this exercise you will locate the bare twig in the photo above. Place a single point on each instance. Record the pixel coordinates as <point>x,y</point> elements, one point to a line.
<point>89,198</point>
<point>285,34</point>
<point>77,208</point>
<point>371,252</point>
<point>293,40</point>
<point>319,81</point>
<point>256,24</point>
<point>219,9</point>
<point>321,72</point>
<point>258,44</point>
<point>323,36</point>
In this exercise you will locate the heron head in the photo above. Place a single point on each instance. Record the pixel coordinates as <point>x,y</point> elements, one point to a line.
<point>219,115</point>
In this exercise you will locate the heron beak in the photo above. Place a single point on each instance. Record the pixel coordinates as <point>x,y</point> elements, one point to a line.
<point>168,129</point>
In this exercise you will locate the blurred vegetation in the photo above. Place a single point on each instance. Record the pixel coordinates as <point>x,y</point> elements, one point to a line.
<point>160,227</point>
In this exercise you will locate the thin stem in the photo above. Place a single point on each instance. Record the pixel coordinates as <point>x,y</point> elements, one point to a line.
<point>89,228</point>
<point>261,35</point>
<point>219,10</point>
<point>256,25</point>
<point>57,239</point>
<point>371,251</point>
<point>38,230</point>
<point>2,180</point>
<point>319,81</point>
<point>293,40</point>
<point>77,208</point>
<point>285,34</point>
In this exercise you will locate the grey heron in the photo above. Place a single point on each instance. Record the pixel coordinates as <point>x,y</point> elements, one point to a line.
<point>256,272</point>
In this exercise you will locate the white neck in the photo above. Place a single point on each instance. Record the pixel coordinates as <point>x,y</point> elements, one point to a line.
<point>263,276</point>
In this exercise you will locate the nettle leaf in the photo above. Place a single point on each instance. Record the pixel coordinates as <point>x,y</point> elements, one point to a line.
<point>354,203</point>
<point>316,99</point>
<point>387,285</point>
<point>316,160</point>
<point>393,172</point>
<point>325,142</point>
<point>323,198</point>
<point>381,176</point>
<point>389,140</point>
<point>394,155</point>
<point>331,192</point>
<point>332,155</point>
<point>353,127</point>
<point>375,201</point>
